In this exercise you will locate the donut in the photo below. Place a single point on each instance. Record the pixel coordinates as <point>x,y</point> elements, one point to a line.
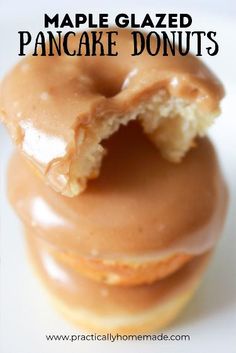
<point>140,221</point>
<point>60,109</point>
<point>102,308</point>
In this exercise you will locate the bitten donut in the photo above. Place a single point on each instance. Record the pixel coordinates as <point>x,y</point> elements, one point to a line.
<point>140,221</point>
<point>59,109</point>
<point>102,308</point>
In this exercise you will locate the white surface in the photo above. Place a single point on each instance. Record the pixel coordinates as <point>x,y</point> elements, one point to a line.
<point>210,319</point>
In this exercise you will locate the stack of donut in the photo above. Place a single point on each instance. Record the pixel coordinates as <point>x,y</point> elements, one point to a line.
<point>121,198</point>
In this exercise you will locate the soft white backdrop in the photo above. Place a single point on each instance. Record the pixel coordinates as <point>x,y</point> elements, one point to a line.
<point>210,319</point>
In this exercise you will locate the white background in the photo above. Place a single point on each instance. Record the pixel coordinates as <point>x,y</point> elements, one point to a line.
<point>26,315</point>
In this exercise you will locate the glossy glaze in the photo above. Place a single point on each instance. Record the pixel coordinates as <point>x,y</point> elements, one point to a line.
<point>141,205</point>
<point>77,291</point>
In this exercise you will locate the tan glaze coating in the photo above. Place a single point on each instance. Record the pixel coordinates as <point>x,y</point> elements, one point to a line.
<point>113,304</point>
<point>46,101</point>
<point>141,211</point>
<point>117,271</point>
<point>76,289</point>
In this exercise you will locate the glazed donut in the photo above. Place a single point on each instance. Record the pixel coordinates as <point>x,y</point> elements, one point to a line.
<point>59,109</point>
<point>102,308</point>
<point>140,221</point>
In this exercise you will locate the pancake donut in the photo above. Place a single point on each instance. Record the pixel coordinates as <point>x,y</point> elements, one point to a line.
<point>140,221</point>
<point>60,109</point>
<point>102,308</point>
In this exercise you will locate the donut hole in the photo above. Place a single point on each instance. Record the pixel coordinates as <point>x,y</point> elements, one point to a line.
<point>106,86</point>
<point>107,77</point>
